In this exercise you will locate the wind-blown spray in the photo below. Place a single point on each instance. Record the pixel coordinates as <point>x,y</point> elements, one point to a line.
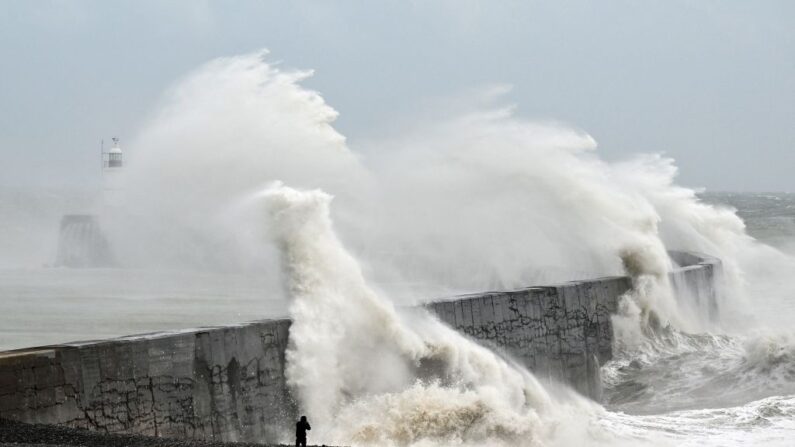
<point>476,200</point>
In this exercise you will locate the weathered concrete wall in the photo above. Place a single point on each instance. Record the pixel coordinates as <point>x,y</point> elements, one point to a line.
<point>696,283</point>
<point>565,332</point>
<point>562,332</point>
<point>228,383</point>
<point>215,383</point>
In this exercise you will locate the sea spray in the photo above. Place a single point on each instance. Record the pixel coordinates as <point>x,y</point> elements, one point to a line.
<point>474,199</point>
<point>342,334</point>
<point>484,200</point>
<point>219,134</point>
<point>237,122</point>
<point>367,374</point>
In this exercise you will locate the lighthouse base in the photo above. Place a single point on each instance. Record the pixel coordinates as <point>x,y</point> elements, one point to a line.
<point>82,243</point>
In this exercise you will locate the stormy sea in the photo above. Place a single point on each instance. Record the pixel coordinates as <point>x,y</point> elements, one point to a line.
<point>240,200</point>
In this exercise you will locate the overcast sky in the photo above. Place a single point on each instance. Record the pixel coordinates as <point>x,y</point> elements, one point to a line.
<point>710,83</point>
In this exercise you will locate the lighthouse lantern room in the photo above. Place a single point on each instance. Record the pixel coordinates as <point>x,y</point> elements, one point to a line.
<point>113,158</point>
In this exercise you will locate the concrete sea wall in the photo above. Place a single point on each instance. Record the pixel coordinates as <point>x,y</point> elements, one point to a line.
<point>559,332</point>
<point>216,383</point>
<point>697,283</point>
<point>228,383</point>
<point>564,332</point>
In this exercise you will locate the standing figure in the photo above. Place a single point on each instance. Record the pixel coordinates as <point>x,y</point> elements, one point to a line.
<point>300,432</point>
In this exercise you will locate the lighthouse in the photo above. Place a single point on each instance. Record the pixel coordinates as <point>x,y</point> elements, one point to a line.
<point>81,243</point>
<point>112,167</point>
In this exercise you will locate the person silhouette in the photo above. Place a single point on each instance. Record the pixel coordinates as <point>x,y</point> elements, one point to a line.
<point>300,432</point>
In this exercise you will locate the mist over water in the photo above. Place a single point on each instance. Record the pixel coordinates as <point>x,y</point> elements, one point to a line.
<point>475,199</point>
<point>29,222</point>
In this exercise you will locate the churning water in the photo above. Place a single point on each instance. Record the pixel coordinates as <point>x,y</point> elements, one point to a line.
<point>475,199</point>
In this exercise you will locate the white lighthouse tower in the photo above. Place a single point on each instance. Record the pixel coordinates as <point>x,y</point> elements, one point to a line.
<point>112,166</point>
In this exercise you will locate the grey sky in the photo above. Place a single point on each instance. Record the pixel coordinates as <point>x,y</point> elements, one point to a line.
<point>711,83</point>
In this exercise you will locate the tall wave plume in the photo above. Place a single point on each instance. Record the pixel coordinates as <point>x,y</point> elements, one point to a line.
<point>371,375</point>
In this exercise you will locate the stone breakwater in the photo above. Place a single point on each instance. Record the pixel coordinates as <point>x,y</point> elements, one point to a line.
<point>216,383</point>
<point>228,383</point>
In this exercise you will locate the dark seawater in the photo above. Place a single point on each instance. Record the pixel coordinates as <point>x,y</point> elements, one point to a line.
<point>715,389</point>
<point>769,217</point>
